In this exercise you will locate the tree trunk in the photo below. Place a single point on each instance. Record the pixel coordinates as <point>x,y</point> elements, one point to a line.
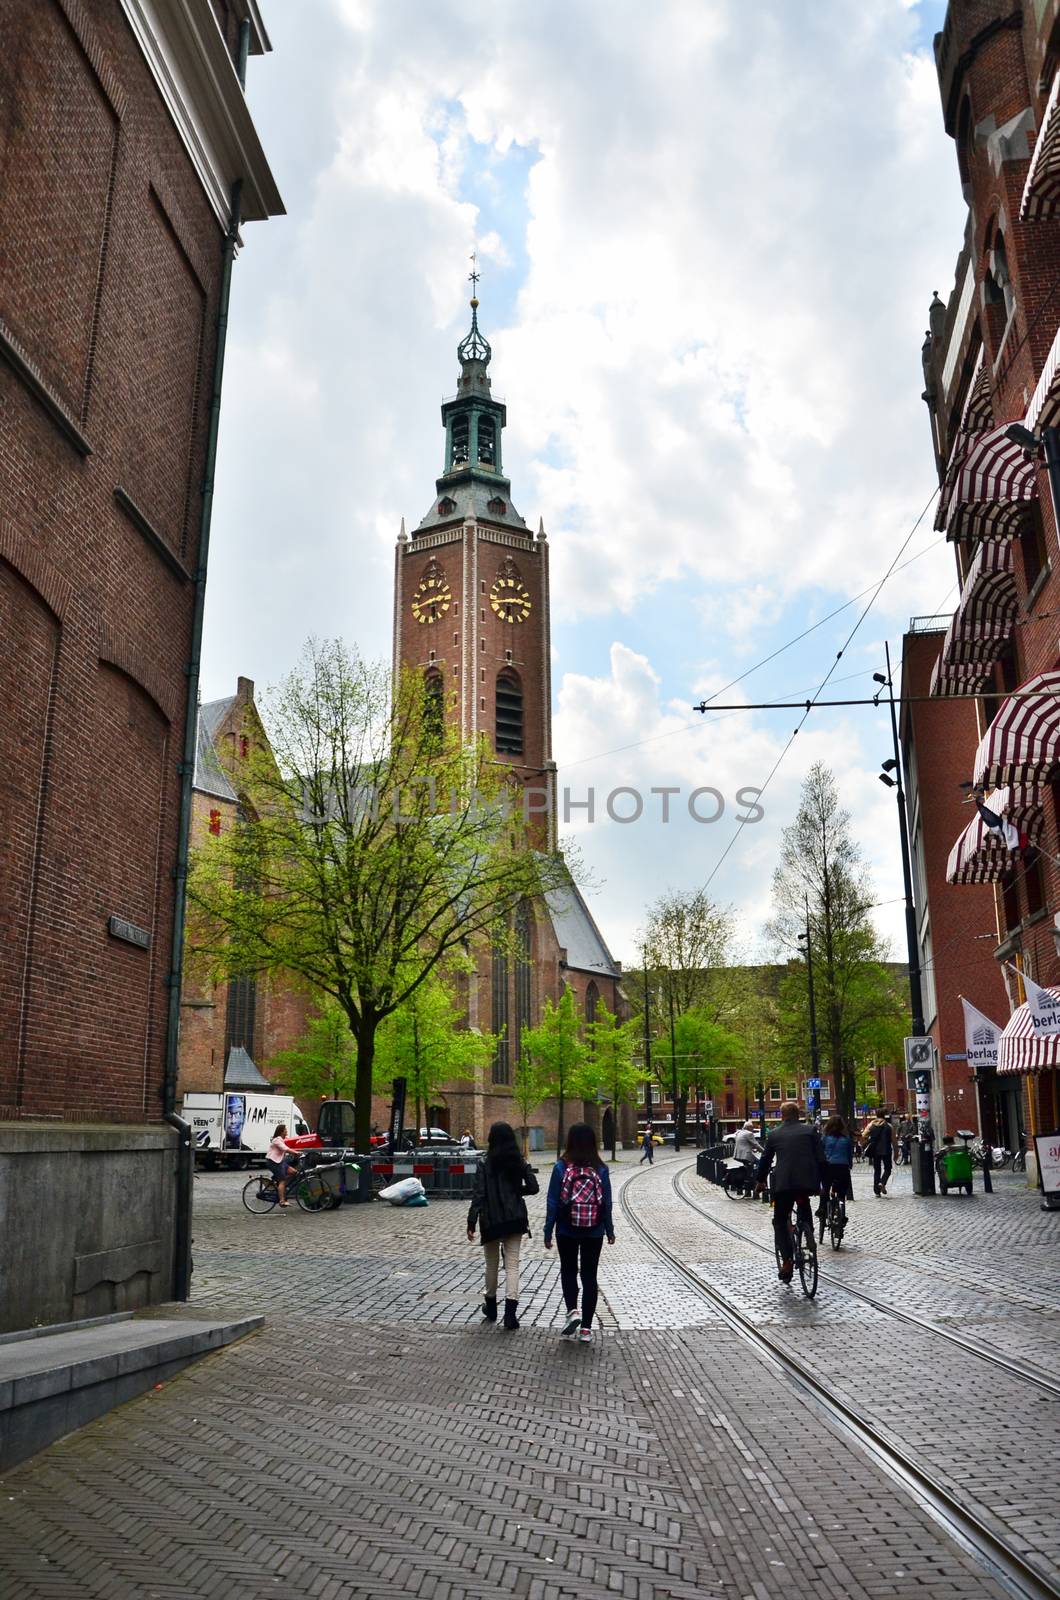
<point>364,1033</point>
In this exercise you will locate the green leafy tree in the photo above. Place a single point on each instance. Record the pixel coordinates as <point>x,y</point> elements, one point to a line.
<point>324,1061</point>
<point>424,1042</point>
<point>821,877</point>
<point>375,845</point>
<point>530,1087</point>
<point>609,1063</point>
<point>560,1053</point>
<point>701,1053</point>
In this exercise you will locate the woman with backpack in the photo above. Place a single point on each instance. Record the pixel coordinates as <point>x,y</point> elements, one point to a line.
<point>499,1210</point>
<point>579,1214</point>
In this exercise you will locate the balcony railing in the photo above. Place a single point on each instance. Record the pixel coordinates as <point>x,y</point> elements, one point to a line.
<point>937,624</point>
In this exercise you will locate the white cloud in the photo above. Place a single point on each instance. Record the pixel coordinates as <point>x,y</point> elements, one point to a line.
<point>733,225</point>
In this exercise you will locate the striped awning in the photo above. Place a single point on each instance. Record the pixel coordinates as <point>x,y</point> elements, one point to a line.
<point>986,613</point>
<point>1044,409</point>
<point>977,857</point>
<point>1022,743</point>
<point>988,491</point>
<point>949,682</point>
<point>1019,1049</point>
<point>1041,192</point>
<point>978,413</point>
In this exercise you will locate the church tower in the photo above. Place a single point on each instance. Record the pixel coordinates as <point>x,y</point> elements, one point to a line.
<point>471,606</point>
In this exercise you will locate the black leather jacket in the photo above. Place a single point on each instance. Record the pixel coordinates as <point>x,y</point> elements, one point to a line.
<point>497,1203</point>
<point>799,1155</point>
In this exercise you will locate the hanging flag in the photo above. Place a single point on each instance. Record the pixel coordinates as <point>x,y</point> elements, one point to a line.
<point>980,1037</point>
<point>996,825</point>
<point>1042,1006</point>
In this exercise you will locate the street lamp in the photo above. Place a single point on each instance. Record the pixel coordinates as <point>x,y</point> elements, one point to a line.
<point>814,1098</point>
<point>673,1056</point>
<point>1045,447</point>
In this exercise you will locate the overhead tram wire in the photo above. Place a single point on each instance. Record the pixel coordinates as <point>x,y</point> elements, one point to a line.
<point>742,821</point>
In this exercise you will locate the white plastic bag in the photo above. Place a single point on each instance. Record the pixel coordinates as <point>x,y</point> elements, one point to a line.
<point>404,1189</point>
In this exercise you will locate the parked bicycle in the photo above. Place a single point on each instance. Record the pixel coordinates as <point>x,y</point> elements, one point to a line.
<point>802,1243</point>
<point>739,1181</point>
<point>262,1192</point>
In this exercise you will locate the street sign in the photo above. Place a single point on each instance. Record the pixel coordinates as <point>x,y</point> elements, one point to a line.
<point>708,1108</point>
<point>919,1052</point>
<point>813,1083</point>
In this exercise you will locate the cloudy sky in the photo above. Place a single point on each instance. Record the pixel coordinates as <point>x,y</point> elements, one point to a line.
<point>708,233</point>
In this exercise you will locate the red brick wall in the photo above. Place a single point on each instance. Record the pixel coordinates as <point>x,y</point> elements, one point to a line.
<point>108,283</point>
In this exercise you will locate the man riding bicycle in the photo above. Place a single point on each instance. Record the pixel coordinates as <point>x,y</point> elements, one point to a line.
<point>796,1149</point>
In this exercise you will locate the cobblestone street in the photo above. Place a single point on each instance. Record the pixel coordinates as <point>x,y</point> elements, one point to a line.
<point>375,1439</point>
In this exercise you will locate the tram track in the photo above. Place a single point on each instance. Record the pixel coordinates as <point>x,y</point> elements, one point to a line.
<point>969,1530</point>
<point>996,1358</point>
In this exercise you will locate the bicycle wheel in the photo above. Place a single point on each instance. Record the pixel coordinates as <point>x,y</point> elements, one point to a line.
<point>806,1255</point>
<point>1019,1161</point>
<point>260,1194</point>
<point>836,1223</point>
<point>312,1193</point>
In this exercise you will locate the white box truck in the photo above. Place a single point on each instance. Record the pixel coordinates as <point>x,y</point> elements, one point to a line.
<point>234,1129</point>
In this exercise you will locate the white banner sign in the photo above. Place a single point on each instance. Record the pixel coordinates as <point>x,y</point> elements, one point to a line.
<point>1047,1146</point>
<point>1043,1007</point>
<point>980,1037</point>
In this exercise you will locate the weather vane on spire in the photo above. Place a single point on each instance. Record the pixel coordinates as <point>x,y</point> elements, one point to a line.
<point>473,347</point>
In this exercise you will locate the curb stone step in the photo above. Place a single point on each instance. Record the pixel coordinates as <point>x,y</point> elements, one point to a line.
<point>54,1382</point>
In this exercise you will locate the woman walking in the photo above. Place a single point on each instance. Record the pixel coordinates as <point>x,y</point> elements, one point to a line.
<point>499,1210</point>
<point>579,1213</point>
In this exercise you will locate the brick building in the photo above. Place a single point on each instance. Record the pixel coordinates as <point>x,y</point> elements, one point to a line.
<point>991,360</point>
<point>230,1032</point>
<point>471,612</point>
<point>128,160</point>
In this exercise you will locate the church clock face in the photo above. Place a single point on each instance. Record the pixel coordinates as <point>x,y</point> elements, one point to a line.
<point>510,599</point>
<point>432,598</point>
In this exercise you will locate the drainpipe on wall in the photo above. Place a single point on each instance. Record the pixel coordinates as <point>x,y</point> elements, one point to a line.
<point>182,1240</point>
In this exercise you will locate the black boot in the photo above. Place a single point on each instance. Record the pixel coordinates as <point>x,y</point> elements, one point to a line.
<point>489,1308</point>
<point>511,1321</point>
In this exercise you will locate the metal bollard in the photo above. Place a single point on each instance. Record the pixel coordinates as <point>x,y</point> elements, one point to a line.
<point>988,1162</point>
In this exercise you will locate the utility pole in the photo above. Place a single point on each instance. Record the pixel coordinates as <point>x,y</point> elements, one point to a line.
<point>673,1057</point>
<point>924,1170</point>
<point>647,1052</point>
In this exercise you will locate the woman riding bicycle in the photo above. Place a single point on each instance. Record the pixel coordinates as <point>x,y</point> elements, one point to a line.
<point>839,1159</point>
<point>280,1161</point>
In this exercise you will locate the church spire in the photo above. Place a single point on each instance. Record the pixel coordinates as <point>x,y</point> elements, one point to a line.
<point>474,348</point>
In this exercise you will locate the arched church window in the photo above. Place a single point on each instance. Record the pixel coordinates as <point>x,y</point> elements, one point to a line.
<point>460,437</point>
<point>499,987</point>
<point>487,441</point>
<point>592,998</point>
<point>508,740</point>
<point>522,972</point>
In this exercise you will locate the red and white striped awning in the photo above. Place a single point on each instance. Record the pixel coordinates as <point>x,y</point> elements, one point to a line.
<point>1041,191</point>
<point>949,682</point>
<point>978,412</point>
<point>1020,1049</point>
<point>978,857</point>
<point>1023,741</point>
<point>986,614</point>
<point>987,493</point>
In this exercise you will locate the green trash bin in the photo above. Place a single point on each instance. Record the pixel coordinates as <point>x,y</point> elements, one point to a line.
<point>954,1169</point>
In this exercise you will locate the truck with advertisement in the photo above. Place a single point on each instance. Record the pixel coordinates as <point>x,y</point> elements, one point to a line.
<point>235,1128</point>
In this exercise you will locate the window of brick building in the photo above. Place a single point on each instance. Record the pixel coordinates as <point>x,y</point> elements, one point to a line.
<point>1010,902</point>
<point>509,715</point>
<point>240,1014</point>
<point>499,986</point>
<point>1032,546</point>
<point>1034,884</point>
<point>522,972</point>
